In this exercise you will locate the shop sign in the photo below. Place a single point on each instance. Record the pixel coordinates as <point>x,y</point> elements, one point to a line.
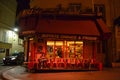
<point>67,37</point>
<point>73,37</point>
<point>58,36</point>
<point>27,32</point>
<point>49,36</point>
<point>30,12</point>
<point>89,38</point>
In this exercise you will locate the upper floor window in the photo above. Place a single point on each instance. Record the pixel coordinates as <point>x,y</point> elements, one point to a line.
<point>74,7</point>
<point>100,10</point>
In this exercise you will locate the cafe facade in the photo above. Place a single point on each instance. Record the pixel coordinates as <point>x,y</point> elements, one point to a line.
<point>79,37</point>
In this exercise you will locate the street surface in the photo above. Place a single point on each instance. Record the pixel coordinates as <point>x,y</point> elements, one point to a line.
<point>91,75</point>
<point>106,74</point>
<point>4,68</point>
<point>20,73</point>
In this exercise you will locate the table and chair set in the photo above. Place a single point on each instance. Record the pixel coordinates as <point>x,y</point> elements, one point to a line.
<point>68,63</point>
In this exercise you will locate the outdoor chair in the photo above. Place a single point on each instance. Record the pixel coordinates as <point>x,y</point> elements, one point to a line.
<point>62,63</point>
<point>72,62</point>
<point>68,63</point>
<point>55,62</point>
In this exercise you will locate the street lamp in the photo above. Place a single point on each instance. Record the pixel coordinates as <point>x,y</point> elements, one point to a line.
<point>15,29</point>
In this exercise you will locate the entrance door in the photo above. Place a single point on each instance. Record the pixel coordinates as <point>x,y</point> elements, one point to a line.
<point>7,52</point>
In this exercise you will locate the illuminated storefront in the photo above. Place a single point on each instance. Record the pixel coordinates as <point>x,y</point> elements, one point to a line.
<point>64,37</point>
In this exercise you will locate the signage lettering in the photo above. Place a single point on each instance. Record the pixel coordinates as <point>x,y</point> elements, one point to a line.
<point>67,37</point>
<point>31,11</point>
<point>58,36</point>
<point>89,38</point>
<point>49,36</point>
<point>28,32</point>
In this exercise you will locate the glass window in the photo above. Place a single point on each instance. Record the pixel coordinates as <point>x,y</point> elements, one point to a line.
<point>70,45</point>
<point>74,7</point>
<point>59,48</point>
<point>79,47</point>
<point>100,8</point>
<point>50,47</point>
<point>50,42</point>
<point>65,48</point>
<point>59,43</point>
<point>75,48</point>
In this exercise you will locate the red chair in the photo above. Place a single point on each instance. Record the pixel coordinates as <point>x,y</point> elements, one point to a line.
<point>55,62</point>
<point>72,62</point>
<point>77,62</point>
<point>68,63</point>
<point>62,63</point>
<point>48,63</point>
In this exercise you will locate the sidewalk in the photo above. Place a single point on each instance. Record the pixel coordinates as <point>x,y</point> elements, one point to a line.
<point>19,73</point>
<point>14,73</point>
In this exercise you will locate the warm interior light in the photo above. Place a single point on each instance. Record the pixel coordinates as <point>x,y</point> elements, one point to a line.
<point>50,42</point>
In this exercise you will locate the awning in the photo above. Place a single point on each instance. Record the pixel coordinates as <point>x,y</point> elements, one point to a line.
<point>103,26</point>
<point>105,32</point>
<point>77,27</point>
<point>5,45</point>
<point>82,27</point>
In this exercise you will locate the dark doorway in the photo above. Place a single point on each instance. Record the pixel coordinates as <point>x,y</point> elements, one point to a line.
<point>7,52</point>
